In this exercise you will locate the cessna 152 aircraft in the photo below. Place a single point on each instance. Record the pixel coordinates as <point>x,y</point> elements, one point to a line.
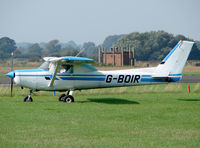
<point>76,73</point>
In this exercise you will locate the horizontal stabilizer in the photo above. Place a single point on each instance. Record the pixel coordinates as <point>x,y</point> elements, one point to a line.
<point>167,76</point>
<point>160,76</point>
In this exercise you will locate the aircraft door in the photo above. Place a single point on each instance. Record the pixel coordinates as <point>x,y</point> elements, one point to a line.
<point>66,71</point>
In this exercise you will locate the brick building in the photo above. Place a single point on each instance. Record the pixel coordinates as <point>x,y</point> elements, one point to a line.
<point>116,57</point>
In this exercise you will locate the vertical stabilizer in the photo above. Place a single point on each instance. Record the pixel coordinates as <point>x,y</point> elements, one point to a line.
<point>174,62</point>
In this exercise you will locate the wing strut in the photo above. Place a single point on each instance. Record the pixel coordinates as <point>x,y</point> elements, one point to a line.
<point>54,74</point>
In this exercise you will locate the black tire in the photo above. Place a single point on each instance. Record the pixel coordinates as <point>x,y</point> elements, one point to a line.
<point>26,99</point>
<point>68,99</point>
<point>61,98</point>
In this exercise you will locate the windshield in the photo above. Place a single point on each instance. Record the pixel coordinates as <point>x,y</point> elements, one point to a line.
<point>45,65</point>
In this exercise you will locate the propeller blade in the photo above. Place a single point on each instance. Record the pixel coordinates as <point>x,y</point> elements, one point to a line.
<point>12,76</point>
<point>11,86</point>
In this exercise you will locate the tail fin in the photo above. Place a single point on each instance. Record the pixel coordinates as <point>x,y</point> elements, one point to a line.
<point>174,62</point>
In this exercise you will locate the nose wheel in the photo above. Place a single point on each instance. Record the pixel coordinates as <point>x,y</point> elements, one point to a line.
<point>67,97</point>
<point>28,98</point>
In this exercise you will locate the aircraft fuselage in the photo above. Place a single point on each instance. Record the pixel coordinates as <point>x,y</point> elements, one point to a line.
<point>39,80</point>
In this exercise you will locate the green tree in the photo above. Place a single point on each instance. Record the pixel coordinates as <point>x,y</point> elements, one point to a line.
<point>7,46</point>
<point>195,53</point>
<point>110,41</point>
<point>34,48</point>
<point>52,47</point>
<point>34,51</point>
<point>90,50</point>
<point>17,53</point>
<point>69,51</point>
<point>154,45</point>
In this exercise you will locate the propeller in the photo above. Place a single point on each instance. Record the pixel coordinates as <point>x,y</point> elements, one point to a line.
<point>11,87</point>
<point>11,83</point>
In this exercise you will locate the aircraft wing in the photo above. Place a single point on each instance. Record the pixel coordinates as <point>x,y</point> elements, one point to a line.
<point>71,60</point>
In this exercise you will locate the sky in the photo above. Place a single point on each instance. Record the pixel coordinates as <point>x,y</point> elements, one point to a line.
<point>94,20</point>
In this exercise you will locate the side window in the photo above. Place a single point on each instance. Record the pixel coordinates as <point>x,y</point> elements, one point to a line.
<point>65,68</point>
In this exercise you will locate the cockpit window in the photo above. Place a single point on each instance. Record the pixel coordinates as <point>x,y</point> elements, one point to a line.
<point>65,68</point>
<point>45,65</point>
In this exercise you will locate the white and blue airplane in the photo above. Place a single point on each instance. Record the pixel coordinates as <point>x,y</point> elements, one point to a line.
<point>76,73</point>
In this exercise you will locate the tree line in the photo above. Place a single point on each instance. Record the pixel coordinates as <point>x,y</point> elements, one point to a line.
<point>152,45</point>
<point>35,51</point>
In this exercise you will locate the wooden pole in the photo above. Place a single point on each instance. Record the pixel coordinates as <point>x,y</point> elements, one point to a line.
<point>133,57</point>
<point>113,56</point>
<point>104,50</point>
<point>129,54</point>
<point>99,55</point>
<point>122,56</point>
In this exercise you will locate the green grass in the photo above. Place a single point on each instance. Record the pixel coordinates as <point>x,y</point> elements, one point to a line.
<point>114,117</point>
<point>2,74</point>
<point>191,73</point>
<point>170,88</point>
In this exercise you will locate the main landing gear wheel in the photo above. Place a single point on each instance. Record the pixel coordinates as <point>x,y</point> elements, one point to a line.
<point>61,98</point>
<point>28,99</point>
<point>68,99</point>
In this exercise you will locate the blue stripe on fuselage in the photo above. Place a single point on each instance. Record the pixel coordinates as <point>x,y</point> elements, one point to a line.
<point>152,80</point>
<point>147,76</point>
<point>89,75</point>
<point>160,80</point>
<point>82,79</point>
<point>175,74</point>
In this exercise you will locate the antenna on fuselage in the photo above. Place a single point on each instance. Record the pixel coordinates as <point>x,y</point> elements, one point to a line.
<point>80,52</point>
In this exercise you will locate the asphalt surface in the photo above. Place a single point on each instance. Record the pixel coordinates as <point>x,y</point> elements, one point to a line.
<point>185,79</point>
<point>190,79</point>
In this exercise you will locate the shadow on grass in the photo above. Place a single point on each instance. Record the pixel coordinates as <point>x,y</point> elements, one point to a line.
<point>188,99</point>
<point>110,101</point>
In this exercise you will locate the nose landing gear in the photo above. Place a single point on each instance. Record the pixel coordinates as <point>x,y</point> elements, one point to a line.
<point>67,97</point>
<point>29,98</point>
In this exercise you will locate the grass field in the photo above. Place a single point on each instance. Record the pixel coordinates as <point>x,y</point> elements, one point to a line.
<point>146,116</point>
<point>191,73</point>
<point>2,74</point>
